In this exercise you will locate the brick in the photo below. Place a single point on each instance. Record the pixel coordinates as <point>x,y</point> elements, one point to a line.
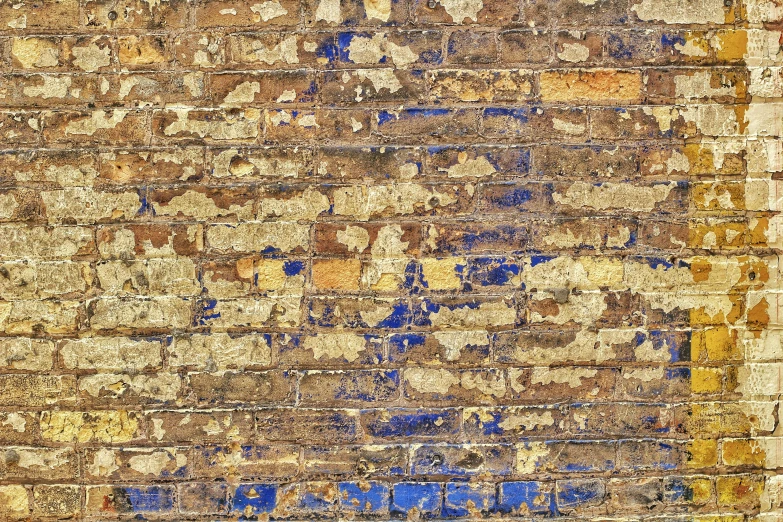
<point>598,86</point>
<point>579,47</point>
<point>318,425</point>
<point>525,497</point>
<point>137,464</point>
<point>462,460</point>
<point>247,461</point>
<point>331,349</point>
<point>197,125</point>
<point>418,424</point>
<point>258,388</point>
<point>462,347</point>
<point>254,499</point>
<point>419,122</point>
<point>462,499</point>
<point>424,498</point>
<point>349,387</point>
<point>268,163</point>
<point>242,90</point>
<point>574,496</point>
<point>52,15</point>
<point>508,423</point>
<point>471,47</point>
<point>372,85</point>
<point>233,13</point>
<point>199,497</point>
<point>224,426</point>
<point>489,85</point>
<point>503,122</point>
<point>129,499</point>
<point>132,14</point>
<point>117,126</point>
<point>40,463</point>
<point>364,497</point>
<point>56,500</point>
<point>364,461</point>
<point>143,51</point>
<point>530,46</point>
<point>157,166</point>
<point>400,48</point>
<point>16,504</point>
<point>102,426</point>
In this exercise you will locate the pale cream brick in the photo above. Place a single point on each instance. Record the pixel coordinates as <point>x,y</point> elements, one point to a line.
<point>111,354</point>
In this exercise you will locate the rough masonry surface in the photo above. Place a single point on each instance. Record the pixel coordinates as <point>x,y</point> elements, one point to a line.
<point>391,259</point>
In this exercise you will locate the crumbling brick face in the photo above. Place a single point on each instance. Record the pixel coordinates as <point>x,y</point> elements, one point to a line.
<point>391,259</point>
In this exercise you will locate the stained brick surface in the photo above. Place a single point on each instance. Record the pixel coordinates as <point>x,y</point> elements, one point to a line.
<point>391,259</point>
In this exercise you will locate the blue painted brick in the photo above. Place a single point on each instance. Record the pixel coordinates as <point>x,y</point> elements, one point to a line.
<point>425,497</point>
<point>526,497</point>
<point>364,497</point>
<point>573,494</point>
<point>464,498</point>
<point>148,499</point>
<point>252,499</point>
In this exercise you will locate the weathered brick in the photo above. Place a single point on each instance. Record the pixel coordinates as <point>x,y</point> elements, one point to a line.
<point>278,461</point>
<point>273,387</point>
<point>131,14</point>
<point>350,388</point>
<point>56,500</point>
<point>102,500</point>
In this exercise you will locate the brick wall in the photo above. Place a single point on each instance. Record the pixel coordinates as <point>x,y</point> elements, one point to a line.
<point>391,259</point>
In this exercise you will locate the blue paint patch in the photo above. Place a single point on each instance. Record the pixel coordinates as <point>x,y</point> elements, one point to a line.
<point>520,115</point>
<point>458,495</point>
<point>414,423</point>
<point>537,260</point>
<point>425,497</point>
<point>491,427</point>
<point>400,343</point>
<point>292,268</point>
<point>149,499</point>
<point>315,502</point>
<point>675,490</point>
<point>655,262</point>
<point>670,40</point>
<point>203,316</point>
<point>618,48</point>
<point>145,206</point>
<point>576,493</point>
<point>385,117</point>
<point>676,343</point>
<point>514,198</point>
<point>367,497</point>
<point>254,498</point>
<point>327,50</point>
<point>488,271</point>
<point>512,496</point>
<point>343,43</point>
<point>431,56</point>
<point>398,318</point>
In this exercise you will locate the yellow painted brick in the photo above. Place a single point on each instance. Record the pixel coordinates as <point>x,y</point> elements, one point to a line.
<point>715,344</point>
<point>599,86</point>
<point>14,502</point>
<point>443,274</point>
<point>702,453</point>
<point>739,492</point>
<point>337,274</point>
<point>706,380</point>
<point>742,452</point>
